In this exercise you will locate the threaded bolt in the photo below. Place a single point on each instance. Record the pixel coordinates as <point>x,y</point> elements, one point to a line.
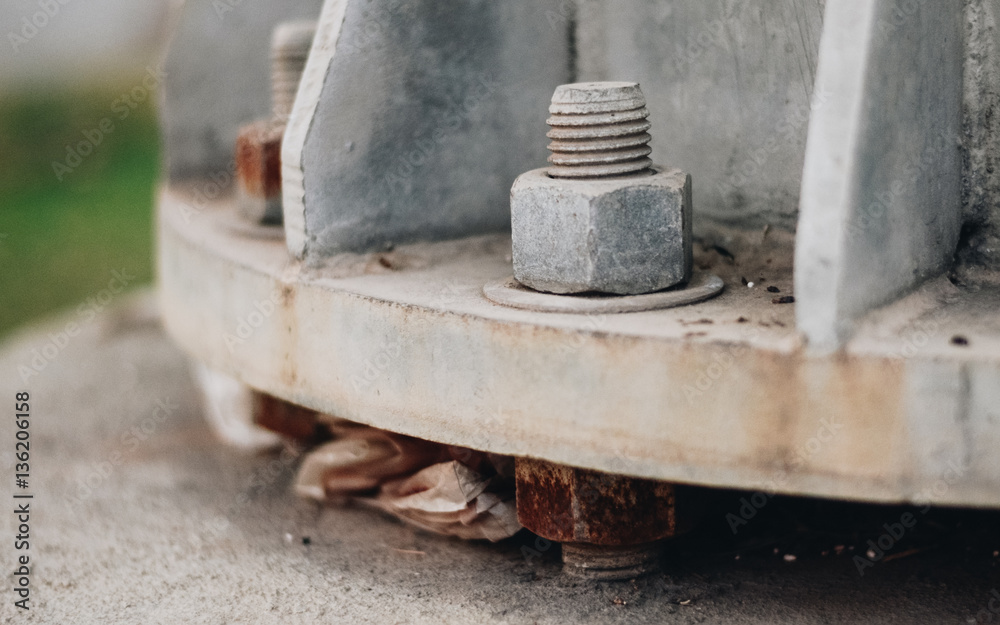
<point>598,130</point>
<point>600,562</point>
<point>290,45</point>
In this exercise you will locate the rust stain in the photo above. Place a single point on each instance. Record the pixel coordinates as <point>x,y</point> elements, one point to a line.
<point>258,159</point>
<point>289,369</point>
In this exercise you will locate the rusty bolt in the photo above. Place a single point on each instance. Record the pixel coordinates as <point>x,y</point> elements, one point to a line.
<point>258,146</point>
<point>295,422</point>
<point>610,525</point>
<point>258,171</point>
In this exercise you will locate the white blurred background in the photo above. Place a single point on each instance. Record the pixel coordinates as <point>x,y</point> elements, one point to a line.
<point>74,41</point>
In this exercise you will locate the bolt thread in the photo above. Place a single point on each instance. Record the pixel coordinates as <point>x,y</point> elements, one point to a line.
<point>598,130</point>
<point>290,47</point>
<point>599,562</point>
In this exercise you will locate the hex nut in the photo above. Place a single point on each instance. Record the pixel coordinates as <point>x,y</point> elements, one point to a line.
<point>297,423</point>
<point>572,505</point>
<point>258,171</point>
<point>622,235</point>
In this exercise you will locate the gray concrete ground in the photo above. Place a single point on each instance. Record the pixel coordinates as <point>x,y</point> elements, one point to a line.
<point>141,516</point>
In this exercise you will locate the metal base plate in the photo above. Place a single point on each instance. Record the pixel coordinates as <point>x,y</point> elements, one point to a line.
<point>721,392</point>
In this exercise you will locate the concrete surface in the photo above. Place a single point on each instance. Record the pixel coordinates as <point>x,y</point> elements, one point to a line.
<point>720,392</point>
<point>184,530</point>
<point>415,118</point>
<point>881,189</point>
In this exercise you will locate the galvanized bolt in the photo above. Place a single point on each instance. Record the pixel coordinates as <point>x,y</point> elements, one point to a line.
<point>290,45</point>
<point>602,218</point>
<point>258,146</point>
<point>599,130</point>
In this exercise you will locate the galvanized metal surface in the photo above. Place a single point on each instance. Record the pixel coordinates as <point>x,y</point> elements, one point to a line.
<point>728,86</point>
<point>510,292</point>
<point>414,118</point>
<point>881,203</point>
<point>626,235</point>
<point>598,129</point>
<point>718,393</point>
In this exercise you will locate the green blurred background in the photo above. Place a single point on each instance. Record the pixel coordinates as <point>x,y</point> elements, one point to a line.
<point>60,241</point>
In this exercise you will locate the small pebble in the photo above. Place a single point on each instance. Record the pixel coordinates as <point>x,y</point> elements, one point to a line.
<point>961,341</point>
<point>773,289</point>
